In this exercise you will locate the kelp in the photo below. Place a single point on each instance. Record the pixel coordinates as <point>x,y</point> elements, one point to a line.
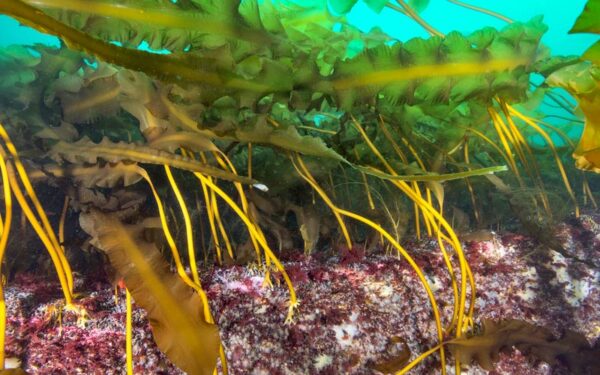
<point>160,24</point>
<point>572,349</point>
<point>276,75</point>
<point>103,176</point>
<point>86,151</point>
<point>166,67</point>
<point>583,81</point>
<point>291,95</point>
<point>587,22</point>
<point>174,310</point>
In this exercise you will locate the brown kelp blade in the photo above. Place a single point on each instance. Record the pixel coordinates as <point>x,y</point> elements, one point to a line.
<point>582,80</point>
<point>174,310</point>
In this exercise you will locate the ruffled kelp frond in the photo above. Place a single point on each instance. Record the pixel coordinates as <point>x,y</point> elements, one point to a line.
<point>583,81</point>
<point>161,24</point>
<point>484,347</point>
<point>86,151</point>
<point>175,310</point>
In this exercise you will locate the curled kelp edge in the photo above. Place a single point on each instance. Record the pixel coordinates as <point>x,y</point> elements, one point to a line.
<point>86,151</point>
<point>484,347</point>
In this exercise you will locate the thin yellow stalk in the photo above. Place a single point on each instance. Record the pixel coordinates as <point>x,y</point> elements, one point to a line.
<point>55,255</point>
<point>177,259</point>
<point>469,185</point>
<point>331,185</point>
<point>61,225</point>
<point>548,140</point>
<point>38,207</point>
<point>210,211</point>
<point>128,333</point>
<point>335,211</point>
<point>226,164</point>
<point>326,131</point>
<point>187,223</point>
<point>482,10</point>
<point>250,161</point>
<point>421,164</point>
<point>261,240</point>
<point>507,151</point>
<point>6,225</point>
<point>202,242</point>
<point>404,159</point>
<point>520,141</point>
<point>215,210</point>
<point>587,192</point>
<point>419,359</point>
<point>409,11</point>
<point>428,220</point>
<point>426,205</point>
<point>305,174</point>
<point>366,184</point>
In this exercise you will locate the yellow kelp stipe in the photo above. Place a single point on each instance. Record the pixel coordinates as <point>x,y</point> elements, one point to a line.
<point>159,16</point>
<point>40,224</point>
<point>366,183</point>
<point>189,234</point>
<point>61,224</point>
<point>335,210</point>
<point>550,144</point>
<point>404,159</point>
<point>463,319</point>
<point>469,185</point>
<point>128,333</point>
<point>261,240</point>
<point>522,148</point>
<point>173,247</point>
<point>213,209</point>
<point>482,10</point>
<point>424,71</point>
<point>6,224</point>
<point>226,164</point>
<point>306,175</point>
<point>177,259</point>
<point>428,219</point>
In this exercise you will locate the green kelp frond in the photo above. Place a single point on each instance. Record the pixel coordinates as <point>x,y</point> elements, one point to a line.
<point>512,48</point>
<point>587,22</point>
<point>161,24</point>
<point>175,68</point>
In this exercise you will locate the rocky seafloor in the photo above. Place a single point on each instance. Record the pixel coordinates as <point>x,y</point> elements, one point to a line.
<point>351,306</point>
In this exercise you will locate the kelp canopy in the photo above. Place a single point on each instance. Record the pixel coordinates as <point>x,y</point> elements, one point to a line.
<point>281,117</point>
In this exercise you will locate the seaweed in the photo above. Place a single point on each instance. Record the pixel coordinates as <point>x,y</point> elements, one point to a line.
<point>174,309</point>
<point>572,349</point>
<point>268,95</point>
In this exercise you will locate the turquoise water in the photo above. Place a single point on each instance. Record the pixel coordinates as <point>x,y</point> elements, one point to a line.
<point>445,17</point>
<point>441,14</point>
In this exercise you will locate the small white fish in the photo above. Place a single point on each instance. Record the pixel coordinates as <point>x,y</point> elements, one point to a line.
<point>261,187</point>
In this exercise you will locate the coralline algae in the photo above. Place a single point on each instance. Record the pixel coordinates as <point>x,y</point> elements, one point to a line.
<point>349,314</point>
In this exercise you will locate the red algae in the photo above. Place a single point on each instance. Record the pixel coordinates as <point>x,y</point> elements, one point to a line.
<point>349,309</point>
